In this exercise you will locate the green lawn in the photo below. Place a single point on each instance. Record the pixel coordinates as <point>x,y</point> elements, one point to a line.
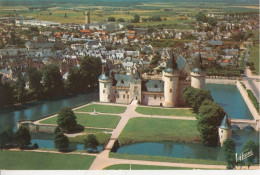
<point>101,137</point>
<point>165,159</point>
<point>254,57</point>
<point>21,160</point>
<point>103,109</point>
<point>142,167</point>
<point>87,120</point>
<point>153,129</point>
<point>164,111</point>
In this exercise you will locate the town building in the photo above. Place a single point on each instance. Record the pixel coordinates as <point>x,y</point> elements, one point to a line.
<point>165,90</point>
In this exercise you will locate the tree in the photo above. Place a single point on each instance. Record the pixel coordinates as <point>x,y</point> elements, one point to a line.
<point>111,19</point>
<point>57,130</point>
<point>20,88</point>
<point>250,146</point>
<point>155,61</point>
<point>6,93</point>
<point>23,137</point>
<point>73,80</point>
<point>212,21</point>
<point>91,142</point>
<point>209,119</point>
<point>34,77</point>
<point>52,80</point>
<point>6,138</point>
<point>194,97</point>
<point>66,119</point>
<point>121,20</point>
<point>90,70</point>
<point>61,142</point>
<point>201,17</point>
<point>229,148</point>
<point>136,19</point>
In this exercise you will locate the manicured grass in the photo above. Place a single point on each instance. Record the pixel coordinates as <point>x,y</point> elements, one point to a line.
<point>101,137</point>
<point>165,159</point>
<point>103,109</point>
<point>142,167</point>
<point>164,111</point>
<point>153,129</point>
<point>87,120</point>
<point>21,160</point>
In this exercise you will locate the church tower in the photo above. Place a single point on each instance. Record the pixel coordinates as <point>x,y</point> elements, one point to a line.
<point>224,130</point>
<point>171,80</point>
<point>197,74</point>
<point>105,84</point>
<point>87,17</point>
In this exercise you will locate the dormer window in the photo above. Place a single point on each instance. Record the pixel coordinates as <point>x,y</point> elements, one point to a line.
<point>155,86</point>
<point>122,81</point>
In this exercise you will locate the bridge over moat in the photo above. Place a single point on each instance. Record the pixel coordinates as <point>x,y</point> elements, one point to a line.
<point>241,123</point>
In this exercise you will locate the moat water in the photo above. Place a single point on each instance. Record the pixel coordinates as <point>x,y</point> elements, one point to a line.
<point>188,150</point>
<point>229,97</point>
<point>39,109</point>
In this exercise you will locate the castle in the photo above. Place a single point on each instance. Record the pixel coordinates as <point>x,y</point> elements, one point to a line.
<point>165,90</point>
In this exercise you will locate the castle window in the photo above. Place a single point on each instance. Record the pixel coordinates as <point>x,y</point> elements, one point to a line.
<point>154,97</point>
<point>221,131</point>
<point>115,91</point>
<point>126,91</point>
<point>127,96</point>
<point>108,96</point>
<point>170,79</point>
<point>104,91</point>
<point>105,85</point>
<point>122,81</point>
<point>170,90</point>
<point>155,86</point>
<point>160,98</point>
<point>123,96</point>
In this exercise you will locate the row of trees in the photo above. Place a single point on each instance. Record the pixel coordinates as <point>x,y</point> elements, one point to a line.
<point>21,138</point>
<point>49,83</point>
<point>209,116</point>
<point>229,147</point>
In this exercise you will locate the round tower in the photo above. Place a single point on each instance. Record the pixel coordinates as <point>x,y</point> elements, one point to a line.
<point>171,80</point>
<point>105,85</point>
<point>224,130</point>
<point>198,76</point>
<point>87,17</point>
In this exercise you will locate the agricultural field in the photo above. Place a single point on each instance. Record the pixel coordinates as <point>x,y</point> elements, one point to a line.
<point>169,11</point>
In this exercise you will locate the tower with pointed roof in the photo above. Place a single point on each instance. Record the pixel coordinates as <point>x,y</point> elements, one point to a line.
<point>135,86</point>
<point>224,130</point>
<point>171,79</point>
<point>105,84</point>
<point>198,75</point>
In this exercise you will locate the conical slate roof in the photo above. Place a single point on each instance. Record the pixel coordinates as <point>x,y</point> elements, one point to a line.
<point>225,123</point>
<point>198,64</point>
<point>105,75</point>
<point>171,64</point>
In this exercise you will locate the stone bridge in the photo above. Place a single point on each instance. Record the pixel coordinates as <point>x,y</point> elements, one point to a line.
<point>243,123</point>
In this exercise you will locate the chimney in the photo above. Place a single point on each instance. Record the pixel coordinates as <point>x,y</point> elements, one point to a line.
<point>140,72</point>
<point>103,68</point>
<point>132,72</point>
